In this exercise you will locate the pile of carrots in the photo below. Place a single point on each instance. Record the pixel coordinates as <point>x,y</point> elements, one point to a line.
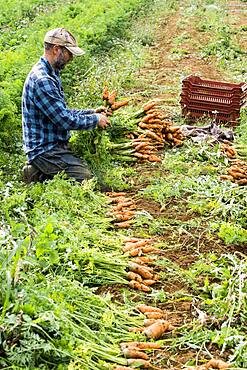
<point>237,173</point>
<point>158,131</point>
<point>228,150</point>
<point>122,211</point>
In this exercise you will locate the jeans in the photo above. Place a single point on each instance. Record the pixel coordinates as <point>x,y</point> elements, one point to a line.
<point>61,159</point>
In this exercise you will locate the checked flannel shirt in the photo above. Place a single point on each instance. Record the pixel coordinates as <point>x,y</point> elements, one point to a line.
<point>46,120</point>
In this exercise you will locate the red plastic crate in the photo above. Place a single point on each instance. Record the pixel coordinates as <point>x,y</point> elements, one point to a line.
<point>205,97</point>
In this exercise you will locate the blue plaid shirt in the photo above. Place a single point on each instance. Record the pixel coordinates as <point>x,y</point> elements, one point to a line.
<point>46,120</point>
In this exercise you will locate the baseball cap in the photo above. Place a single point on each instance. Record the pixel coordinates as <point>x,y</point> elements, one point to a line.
<point>62,37</point>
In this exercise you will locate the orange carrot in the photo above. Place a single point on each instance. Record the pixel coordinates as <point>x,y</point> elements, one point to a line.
<point>144,259</point>
<point>130,205</point>
<point>152,135</point>
<point>148,322</point>
<point>217,364</point>
<point>113,194</point>
<point>122,368</point>
<point>139,286</point>
<point>139,362</point>
<point>133,353</point>
<point>141,270</point>
<point>149,105</point>
<point>124,216</point>
<point>133,276</point>
<point>105,93</point>
<point>143,345</point>
<point>135,252</point>
<point>156,330</point>
<point>123,224</point>
<point>140,146</point>
<point>112,97</point>
<point>144,308</point>
<point>131,239</point>
<point>141,156</point>
<point>136,330</point>
<point>154,315</point>
<point>177,142</point>
<point>119,104</point>
<point>149,282</point>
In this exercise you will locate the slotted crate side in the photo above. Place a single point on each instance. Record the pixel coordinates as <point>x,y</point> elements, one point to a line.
<point>211,99</point>
<point>194,113</point>
<point>195,83</point>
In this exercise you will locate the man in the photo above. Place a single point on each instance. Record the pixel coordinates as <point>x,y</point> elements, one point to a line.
<point>46,120</point>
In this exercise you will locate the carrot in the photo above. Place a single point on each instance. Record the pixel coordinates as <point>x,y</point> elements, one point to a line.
<point>131,239</point>
<point>152,135</point>
<point>149,105</point>
<point>133,276</point>
<point>174,129</point>
<point>119,104</point>
<point>135,252</point>
<point>133,353</point>
<point>226,177</point>
<point>139,286</point>
<point>122,368</point>
<point>141,145</point>
<point>154,158</point>
<point>144,259</point>
<point>217,364</point>
<point>130,205</point>
<point>148,117</point>
<point>242,182</point>
<point>149,282</point>
<point>177,142</point>
<point>144,308</point>
<point>124,216</point>
<point>140,345</point>
<point>139,363</point>
<point>105,95</point>
<point>157,329</point>
<point>136,330</point>
<point>113,194</point>
<point>141,156</point>
<point>150,126</point>
<point>148,322</point>
<point>141,270</point>
<point>133,245</point>
<point>112,97</point>
<point>123,224</point>
<point>154,315</point>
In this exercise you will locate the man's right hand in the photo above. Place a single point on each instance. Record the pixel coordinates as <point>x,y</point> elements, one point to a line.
<point>103,121</point>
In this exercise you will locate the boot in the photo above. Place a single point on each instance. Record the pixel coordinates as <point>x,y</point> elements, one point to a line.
<point>31,174</point>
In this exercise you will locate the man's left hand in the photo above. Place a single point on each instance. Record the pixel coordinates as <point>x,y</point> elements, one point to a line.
<point>101,109</point>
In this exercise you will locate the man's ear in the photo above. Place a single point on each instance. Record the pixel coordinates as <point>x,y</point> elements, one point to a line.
<point>55,49</point>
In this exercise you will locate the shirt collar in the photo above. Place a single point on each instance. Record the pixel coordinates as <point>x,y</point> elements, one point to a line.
<point>49,68</point>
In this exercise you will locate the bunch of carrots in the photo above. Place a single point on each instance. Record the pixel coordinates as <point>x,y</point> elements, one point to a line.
<point>237,173</point>
<point>228,150</point>
<point>109,98</point>
<point>153,329</point>
<point>141,276</point>
<point>123,209</point>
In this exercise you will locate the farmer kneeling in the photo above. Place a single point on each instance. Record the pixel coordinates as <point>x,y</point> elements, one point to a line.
<point>47,121</point>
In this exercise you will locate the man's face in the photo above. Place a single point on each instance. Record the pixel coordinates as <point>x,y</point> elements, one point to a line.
<point>63,57</point>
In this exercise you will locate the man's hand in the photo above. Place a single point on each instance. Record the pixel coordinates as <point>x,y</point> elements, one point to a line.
<point>101,109</point>
<point>103,121</point>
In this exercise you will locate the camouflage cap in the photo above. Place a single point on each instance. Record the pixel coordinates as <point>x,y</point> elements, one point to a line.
<point>62,37</point>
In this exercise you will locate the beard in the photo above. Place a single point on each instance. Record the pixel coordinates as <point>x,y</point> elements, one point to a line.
<point>60,62</point>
